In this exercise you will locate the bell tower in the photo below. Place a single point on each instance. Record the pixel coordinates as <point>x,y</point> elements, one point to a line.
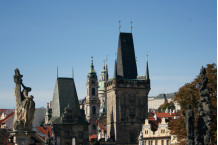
<point>92,102</point>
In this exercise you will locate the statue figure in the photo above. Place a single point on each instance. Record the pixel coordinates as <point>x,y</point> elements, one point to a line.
<point>189,121</point>
<point>140,138</point>
<point>203,133</point>
<point>25,106</point>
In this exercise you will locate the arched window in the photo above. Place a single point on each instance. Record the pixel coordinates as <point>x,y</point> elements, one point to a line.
<point>93,110</point>
<point>93,91</point>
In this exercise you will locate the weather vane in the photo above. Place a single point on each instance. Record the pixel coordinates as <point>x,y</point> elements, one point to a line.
<point>131,26</point>
<point>119,25</point>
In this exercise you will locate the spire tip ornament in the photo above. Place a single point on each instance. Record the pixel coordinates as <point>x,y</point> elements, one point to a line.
<point>119,25</point>
<point>131,26</point>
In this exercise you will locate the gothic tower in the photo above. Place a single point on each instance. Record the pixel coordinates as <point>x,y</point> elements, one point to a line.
<point>127,95</point>
<point>92,102</point>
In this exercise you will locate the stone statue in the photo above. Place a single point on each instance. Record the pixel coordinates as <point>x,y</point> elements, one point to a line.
<point>140,138</point>
<point>189,121</point>
<point>25,106</point>
<point>203,133</point>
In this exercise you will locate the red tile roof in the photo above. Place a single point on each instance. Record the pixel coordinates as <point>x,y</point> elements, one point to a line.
<point>44,130</point>
<point>93,137</point>
<point>6,118</point>
<point>165,115</point>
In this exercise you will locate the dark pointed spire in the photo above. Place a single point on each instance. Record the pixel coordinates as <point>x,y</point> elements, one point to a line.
<point>106,77</point>
<point>115,69</point>
<point>147,71</point>
<point>126,62</point>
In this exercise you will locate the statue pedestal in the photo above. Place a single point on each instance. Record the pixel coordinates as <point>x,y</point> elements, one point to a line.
<point>22,137</point>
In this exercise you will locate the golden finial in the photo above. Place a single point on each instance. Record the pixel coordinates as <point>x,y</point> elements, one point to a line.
<point>131,26</point>
<point>119,25</point>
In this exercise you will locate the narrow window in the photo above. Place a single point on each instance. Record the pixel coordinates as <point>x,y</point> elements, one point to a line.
<point>93,91</point>
<point>93,110</point>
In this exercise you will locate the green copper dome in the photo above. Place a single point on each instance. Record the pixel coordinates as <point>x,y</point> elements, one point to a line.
<point>92,72</point>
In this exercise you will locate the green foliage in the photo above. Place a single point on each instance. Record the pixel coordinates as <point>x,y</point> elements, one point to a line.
<point>189,94</point>
<point>166,105</point>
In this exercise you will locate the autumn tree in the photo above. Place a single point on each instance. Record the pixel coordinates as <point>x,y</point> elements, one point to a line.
<point>189,94</point>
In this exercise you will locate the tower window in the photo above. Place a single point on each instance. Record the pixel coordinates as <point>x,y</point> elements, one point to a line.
<point>93,91</point>
<point>93,110</point>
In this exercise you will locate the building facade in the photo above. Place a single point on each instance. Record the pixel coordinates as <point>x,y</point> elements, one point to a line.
<point>155,102</point>
<point>155,130</point>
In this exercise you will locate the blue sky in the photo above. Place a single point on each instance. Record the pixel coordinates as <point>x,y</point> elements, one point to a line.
<point>180,36</point>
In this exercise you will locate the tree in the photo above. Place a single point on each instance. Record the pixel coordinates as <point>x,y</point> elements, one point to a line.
<point>189,94</point>
<point>166,105</point>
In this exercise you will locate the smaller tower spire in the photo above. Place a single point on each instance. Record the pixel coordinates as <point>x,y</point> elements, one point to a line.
<point>115,69</point>
<point>106,78</point>
<point>131,26</point>
<point>119,25</point>
<point>147,71</point>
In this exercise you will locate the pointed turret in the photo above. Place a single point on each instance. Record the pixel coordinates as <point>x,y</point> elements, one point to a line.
<point>147,72</point>
<point>115,69</point>
<point>92,72</point>
<point>106,74</point>
<point>126,63</point>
